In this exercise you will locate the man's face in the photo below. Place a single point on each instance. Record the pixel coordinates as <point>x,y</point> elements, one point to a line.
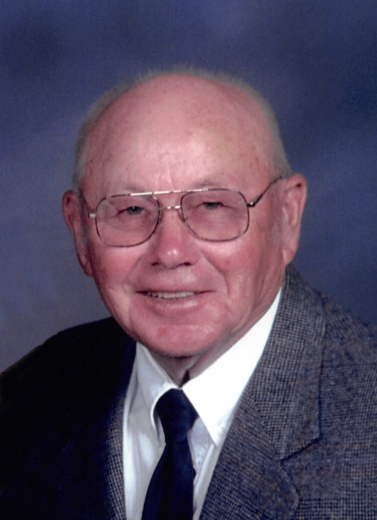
<point>179,295</point>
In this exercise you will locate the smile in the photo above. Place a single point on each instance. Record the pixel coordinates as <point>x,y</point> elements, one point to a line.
<point>171,295</point>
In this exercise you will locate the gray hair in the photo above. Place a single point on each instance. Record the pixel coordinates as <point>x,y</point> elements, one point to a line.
<point>279,159</point>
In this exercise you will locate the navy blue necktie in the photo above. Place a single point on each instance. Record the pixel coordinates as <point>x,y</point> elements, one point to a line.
<point>171,489</point>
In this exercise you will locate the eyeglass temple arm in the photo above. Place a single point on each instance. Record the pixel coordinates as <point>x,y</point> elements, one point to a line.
<point>255,202</point>
<point>91,213</point>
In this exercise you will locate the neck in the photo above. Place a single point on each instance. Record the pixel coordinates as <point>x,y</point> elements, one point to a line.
<point>179,369</point>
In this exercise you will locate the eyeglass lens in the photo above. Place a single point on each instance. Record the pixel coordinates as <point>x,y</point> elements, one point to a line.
<point>214,215</point>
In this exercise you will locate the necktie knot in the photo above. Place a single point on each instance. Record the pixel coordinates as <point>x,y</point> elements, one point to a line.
<point>177,415</point>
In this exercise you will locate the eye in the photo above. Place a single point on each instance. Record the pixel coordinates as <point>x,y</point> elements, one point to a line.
<point>132,210</point>
<point>212,205</point>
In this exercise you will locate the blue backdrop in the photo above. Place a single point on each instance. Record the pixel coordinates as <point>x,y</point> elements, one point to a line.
<point>316,61</point>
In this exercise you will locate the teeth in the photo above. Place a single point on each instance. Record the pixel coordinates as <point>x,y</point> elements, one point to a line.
<point>170,296</point>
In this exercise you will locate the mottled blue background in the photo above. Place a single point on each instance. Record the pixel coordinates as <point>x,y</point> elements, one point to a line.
<point>314,60</point>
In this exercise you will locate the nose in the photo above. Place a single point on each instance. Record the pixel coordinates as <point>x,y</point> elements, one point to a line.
<point>172,244</point>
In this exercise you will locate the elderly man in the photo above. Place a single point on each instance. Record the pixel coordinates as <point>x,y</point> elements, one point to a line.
<point>223,386</point>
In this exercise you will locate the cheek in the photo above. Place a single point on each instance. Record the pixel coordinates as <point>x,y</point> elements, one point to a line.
<point>235,262</point>
<point>251,265</point>
<point>112,269</point>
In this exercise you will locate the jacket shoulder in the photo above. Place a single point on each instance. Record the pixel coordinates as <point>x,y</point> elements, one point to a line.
<point>350,367</point>
<point>56,403</point>
<point>75,358</point>
<point>343,326</point>
<point>340,325</point>
<point>348,384</point>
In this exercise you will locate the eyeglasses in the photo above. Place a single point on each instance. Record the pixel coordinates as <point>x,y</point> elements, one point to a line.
<point>215,215</point>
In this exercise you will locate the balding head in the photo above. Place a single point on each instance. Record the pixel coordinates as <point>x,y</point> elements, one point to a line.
<point>199,91</point>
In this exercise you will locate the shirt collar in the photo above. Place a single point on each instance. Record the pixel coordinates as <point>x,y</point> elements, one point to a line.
<point>215,392</point>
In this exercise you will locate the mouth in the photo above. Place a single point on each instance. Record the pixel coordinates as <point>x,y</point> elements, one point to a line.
<point>170,295</point>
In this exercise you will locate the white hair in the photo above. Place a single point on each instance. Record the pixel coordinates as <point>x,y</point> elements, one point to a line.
<point>279,159</point>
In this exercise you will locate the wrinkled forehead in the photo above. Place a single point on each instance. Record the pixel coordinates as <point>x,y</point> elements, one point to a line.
<point>176,108</point>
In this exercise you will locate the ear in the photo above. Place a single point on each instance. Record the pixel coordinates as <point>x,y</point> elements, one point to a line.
<point>293,203</point>
<point>73,218</point>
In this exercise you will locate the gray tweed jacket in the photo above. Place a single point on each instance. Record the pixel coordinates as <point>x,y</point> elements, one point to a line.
<point>302,445</point>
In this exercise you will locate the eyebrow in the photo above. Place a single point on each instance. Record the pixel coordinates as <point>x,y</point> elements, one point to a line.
<point>207,182</point>
<point>130,188</point>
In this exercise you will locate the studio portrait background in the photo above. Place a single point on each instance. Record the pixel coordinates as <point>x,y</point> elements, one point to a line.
<point>315,61</point>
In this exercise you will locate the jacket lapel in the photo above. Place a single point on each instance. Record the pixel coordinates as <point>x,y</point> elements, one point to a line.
<point>277,415</point>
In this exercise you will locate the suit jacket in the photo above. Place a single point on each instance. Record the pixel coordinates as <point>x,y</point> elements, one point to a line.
<point>302,445</point>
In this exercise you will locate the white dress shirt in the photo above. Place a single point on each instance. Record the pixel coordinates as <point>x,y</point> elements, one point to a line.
<point>214,393</point>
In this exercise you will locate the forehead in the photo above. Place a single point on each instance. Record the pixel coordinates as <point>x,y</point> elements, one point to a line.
<point>175,123</point>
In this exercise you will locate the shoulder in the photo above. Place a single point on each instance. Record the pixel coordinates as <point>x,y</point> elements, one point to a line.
<point>349,347</point>
<point>339,324</point>
<point>345,334</point>
<point>54,396</point>
<point>73,360</point>
<point>349,382</point>
<point>346,347</point>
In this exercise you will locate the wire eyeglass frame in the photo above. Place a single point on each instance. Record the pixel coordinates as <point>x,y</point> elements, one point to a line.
<point>93,213</point>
